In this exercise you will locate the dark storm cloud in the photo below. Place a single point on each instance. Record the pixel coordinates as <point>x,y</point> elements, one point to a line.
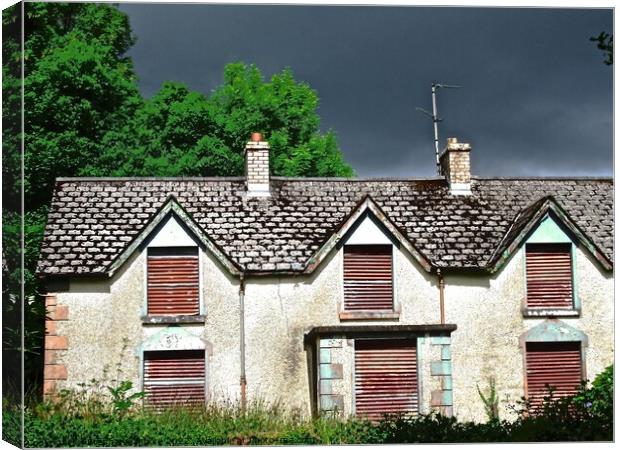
<point>536,97</point>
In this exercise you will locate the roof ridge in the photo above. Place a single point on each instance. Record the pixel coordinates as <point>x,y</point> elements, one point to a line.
<point>62,179</point>
<point>339,179</point>
<point>545,178</point>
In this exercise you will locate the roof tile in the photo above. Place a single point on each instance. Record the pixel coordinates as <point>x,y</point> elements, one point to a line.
<point>283,231</point>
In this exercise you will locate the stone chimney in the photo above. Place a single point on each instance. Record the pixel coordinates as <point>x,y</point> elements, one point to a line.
<point>257,166</point>
<point>455,167</point>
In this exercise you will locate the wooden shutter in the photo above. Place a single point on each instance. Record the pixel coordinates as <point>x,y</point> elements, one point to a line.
<point>174,377</point>
<point>386,377</point>
<point>557,364</point>
<point>368,277</point>
<point>549,276</point>
<point>173,286</point>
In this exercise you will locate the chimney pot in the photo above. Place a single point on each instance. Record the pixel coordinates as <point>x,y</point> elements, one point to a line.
<point>455,166</point>
<point>257,137</point>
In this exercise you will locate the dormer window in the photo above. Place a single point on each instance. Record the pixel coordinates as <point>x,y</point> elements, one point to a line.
<point>549,276</point>
<point>368,278</point>
<point>173,287</point>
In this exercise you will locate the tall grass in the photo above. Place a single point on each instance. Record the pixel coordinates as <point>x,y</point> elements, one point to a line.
<point>206,426</point>
<point>89,418</point>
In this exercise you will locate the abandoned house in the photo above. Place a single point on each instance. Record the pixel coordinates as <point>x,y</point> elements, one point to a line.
<point>362,296</point>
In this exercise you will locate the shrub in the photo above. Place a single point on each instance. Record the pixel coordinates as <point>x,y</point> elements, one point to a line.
<point>88,421</point>
<point>600,397</point>
<point>11,423</point>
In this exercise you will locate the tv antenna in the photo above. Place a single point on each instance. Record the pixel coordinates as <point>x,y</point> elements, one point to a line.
<point>435,118</point>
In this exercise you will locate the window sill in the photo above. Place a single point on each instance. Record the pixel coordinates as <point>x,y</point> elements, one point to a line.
<point>369,315</point>
<point>551,312</point>
<point>173,319</point>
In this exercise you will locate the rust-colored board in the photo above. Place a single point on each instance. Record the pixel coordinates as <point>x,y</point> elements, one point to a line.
<point>368,277</point>
<point>549,276</point>
<point>557,364</point>
<point>173,285</point>
<point>174,378</point>
<point>386,377</point>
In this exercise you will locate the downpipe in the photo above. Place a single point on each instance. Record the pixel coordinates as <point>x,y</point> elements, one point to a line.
<point>442,285</point>
<point>242,378</point>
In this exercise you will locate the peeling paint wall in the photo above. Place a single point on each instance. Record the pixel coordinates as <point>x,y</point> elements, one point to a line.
<point>279,313</point>
<point>105,328</point>
<point>280,310</point>
<point>487,311</point>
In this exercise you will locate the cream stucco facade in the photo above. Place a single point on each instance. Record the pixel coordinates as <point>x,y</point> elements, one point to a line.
<point>105,328</point>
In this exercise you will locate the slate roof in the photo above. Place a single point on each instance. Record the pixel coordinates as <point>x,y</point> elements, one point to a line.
<point>92,220</point>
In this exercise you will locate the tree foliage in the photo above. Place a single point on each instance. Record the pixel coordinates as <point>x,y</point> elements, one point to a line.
<point>78,86</point>
<point>84,115</point>
<point>605,42</point>
<point>179,132</point>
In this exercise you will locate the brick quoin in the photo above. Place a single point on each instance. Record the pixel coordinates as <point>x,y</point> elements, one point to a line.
<point>62,312</point>
<point>52,371</point>
<point>49,388</point>
<point>55,372</point>
<point>50,327</point>
<point>56,343</point>
<point>50,356</point>
<point>50,300</point>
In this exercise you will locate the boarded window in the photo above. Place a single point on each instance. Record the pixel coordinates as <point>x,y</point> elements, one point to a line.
<point>557,364</point>
<point>386,377</point>
<point>368,277</point>
<point>174,378</point>
<point>549,276</point>
<point>172,277</point>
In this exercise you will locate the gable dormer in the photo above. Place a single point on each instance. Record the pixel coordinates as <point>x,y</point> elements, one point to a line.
<point>368,267</point>
<point>173,271</point>
<point>549,255</point>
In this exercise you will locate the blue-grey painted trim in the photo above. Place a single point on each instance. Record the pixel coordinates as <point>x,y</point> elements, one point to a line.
<point>325,356</point>
<point>441,368</point>
<point>440,340</point>
<point>332,402</point>
<point>548,207</point>
<point>325,387</point>
<point>171,206</point>
<point>554,330</point>
<point>366,206</point>
<point>446,353</point>
<point>420,343</point>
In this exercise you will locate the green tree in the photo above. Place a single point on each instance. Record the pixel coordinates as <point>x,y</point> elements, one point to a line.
<point>605,42</point>
<point>78,85</point>
<point>179,132</point>
<point>84,115</point>
<point>170,135</point>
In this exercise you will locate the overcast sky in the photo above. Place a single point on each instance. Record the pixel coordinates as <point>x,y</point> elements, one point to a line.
<point>536,96</point>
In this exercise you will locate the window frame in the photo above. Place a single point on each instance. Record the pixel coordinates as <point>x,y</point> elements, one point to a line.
<point>170,318</point>
<point>418,386</point>
<point>552,330</point>
<point>544,237</point>
<point>143,353</point>
<point>582,361</point>
<point>386,314</point>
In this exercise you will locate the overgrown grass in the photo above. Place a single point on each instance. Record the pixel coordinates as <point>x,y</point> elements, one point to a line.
<point>212,425</point>
<point>80,420</point>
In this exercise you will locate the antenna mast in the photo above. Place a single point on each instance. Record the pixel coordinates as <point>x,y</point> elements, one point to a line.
<point>435,118</point>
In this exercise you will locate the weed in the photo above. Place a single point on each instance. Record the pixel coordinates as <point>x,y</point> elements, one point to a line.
<point>491,402</point>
